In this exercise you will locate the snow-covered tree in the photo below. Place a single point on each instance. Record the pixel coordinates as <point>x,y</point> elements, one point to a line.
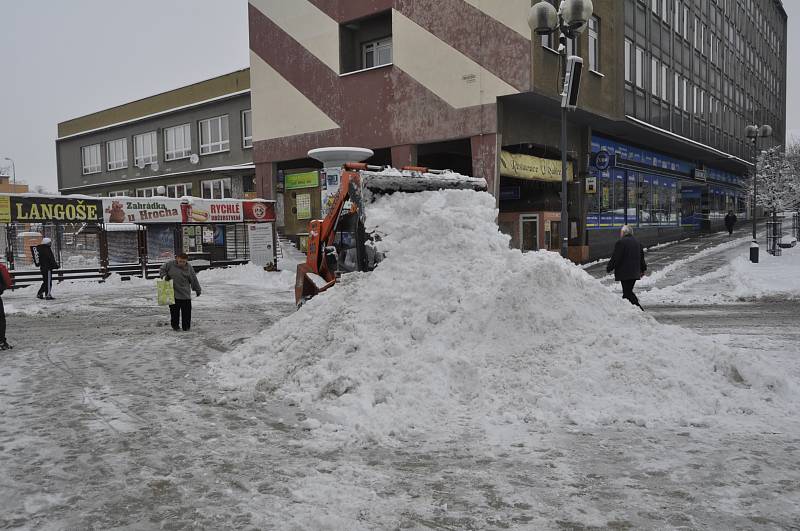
<point>777,186</point>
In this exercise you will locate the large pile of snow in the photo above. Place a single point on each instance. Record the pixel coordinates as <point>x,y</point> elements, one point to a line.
<point>456,335</point>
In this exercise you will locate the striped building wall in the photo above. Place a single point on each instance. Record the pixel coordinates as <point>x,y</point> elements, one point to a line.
<point>452,59</point>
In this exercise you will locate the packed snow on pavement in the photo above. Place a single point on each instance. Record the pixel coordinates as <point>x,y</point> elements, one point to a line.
<point>460,385</point>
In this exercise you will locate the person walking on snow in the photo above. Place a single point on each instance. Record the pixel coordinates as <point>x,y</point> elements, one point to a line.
<point>47,263</point>
<point>184,281</point>
<point>6,282</point>
<point>730,222</point>
<point>628,263</point>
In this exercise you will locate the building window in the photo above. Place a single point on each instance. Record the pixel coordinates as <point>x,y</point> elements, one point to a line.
<point>628,75</point>
<point>594,44</point>
<point>376,53</point>
<point>145,149</point>
<point>147,192</point>
<point>664,82</point>
<point>179,190</point>
<point>177,142</point>
<point>247,129</point>
<point>677,101</point>
<point>665,11</point>
<point>654,71</point>
<point>117,154</point>
<point>214,135</point>
<point>676,17</point>
<point>686,23</point>
<point>639,67</point>
<point>685,94</point>
<point>217,189</point>
<point>118,193</point>
<point>90,155</point>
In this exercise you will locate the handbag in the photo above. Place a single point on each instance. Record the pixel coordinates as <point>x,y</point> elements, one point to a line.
<point>165,291</point>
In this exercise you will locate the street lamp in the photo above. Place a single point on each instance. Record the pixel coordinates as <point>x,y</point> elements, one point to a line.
<point>14,175</point>
<point>570,20</point>
<point>753,133</point>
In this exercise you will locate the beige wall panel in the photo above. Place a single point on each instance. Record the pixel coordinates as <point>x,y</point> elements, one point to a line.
<point>442,69</point>
<point>512,13</point>
<point>279,109</point>
<point>306,24</point>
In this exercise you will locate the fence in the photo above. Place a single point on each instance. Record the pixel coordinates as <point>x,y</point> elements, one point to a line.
<point>774,235</point>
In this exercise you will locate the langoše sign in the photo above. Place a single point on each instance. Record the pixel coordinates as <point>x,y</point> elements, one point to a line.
<point>49,209</point>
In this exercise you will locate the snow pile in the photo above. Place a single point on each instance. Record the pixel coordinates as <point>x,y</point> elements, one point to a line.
<point>455,335</point>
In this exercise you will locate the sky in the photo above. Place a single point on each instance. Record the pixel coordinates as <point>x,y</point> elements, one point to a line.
<point>63,59</point>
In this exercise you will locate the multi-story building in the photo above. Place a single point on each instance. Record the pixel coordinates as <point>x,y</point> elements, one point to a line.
<point>195,140</point>
<point>657,142</point>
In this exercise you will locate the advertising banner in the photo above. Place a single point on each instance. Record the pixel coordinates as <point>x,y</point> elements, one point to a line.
<point>298,181</point>
<point>532,168</point>
<point>48,209</point>
<point>217,211</point>
<point>5,209</point>
<point>145,210</point>
<point>259,211</point>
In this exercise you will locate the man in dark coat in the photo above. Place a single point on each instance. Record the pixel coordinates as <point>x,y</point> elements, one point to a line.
<point>730,222</point>
<point>184,281</point>
<point>47,263</point>
<point>628,264</point>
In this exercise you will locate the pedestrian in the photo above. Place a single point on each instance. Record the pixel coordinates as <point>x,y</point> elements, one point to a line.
<point>730,222</point>
<point>6,282</point>
<point>47,263</point>
<point>628,263</point>
<point>184,281</point>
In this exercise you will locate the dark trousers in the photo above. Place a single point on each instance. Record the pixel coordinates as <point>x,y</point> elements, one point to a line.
<point>47,282</point>
<point>730,230</point>
<point>181,311</point>
<point>627,292</point>
<point>2,322</point>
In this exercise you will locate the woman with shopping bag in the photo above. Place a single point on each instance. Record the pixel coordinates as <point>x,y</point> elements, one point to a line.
<point>184,280</point>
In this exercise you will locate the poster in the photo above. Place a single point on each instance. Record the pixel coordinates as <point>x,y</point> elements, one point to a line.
<point>331,189</point>
<point>303,206</point>
<point>262,243</point>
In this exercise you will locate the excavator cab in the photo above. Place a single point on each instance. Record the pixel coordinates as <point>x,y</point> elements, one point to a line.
<point>339,244</point>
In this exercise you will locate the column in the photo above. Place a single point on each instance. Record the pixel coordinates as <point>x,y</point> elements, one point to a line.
<point>405,155</point>
<point>485,152</point>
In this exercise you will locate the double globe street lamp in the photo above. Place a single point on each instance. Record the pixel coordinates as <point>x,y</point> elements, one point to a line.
<point>569,20</point>
<point>753,133</point>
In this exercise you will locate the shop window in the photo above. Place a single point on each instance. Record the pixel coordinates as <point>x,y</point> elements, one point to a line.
<point>366,43</point>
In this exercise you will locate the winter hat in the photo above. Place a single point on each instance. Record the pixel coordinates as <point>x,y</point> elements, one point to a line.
<point>47,241</point>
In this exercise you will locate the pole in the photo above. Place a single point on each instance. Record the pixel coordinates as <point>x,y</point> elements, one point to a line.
<point>754,244</point>
<point>564,194</point>
<point>13,177</point>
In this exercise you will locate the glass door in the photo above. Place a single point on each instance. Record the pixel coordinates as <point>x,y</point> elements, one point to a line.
<point>529,232</point>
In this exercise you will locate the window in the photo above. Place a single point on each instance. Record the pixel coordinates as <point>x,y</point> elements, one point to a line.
<point>665,11</point>
<point>177,142</point>
<point>90,155</point>
<point>676,17</point>
<point>247,129</point>
<point>686,23</point>
<point>119,193</point>
<point>179,190</point>
<point>117,154</point>
<point>146,192</point>
<point>628,46</point>
<point>654,70</point>
<point>639,67</point>
<point>376,53</point>
<point>217,189</point>
<point>594,44</point>
<point>214,135</point>
<point>677,91</point>
<point>685,94</point>
<point>145,149</point>
<point>664,82</point>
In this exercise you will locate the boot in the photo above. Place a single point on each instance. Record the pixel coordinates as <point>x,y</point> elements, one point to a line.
<point>4,345</point>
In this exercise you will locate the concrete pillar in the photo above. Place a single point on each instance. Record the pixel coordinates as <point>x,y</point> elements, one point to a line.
<point>485,153</point>
<point>405,155</point>
<point>265,179</point>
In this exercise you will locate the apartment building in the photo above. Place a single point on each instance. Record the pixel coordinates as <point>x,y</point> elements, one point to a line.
<point>194,141</point>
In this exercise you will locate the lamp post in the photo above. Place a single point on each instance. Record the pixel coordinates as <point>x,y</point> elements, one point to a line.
<point>570,20</point>
<point>753,133</point>
<point>13,175</point>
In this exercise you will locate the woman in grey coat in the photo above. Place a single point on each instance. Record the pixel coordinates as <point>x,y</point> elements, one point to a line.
<point>184,281</point>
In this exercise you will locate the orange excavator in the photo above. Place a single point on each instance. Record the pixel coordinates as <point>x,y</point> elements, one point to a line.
<point>339,243</point>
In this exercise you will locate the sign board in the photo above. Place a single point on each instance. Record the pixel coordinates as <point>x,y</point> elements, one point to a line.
<point>532,168</point>
<point>146,210</point>
<point>216,211</point>
<point>602,160</point>
<point>303,206</point>
<point>262,243</point>
<point>259,211</point>
<point>43,209</point>
<point>591,185</point>
<point>700,175</point>
<point>5,209</point>
<point>298,181</point>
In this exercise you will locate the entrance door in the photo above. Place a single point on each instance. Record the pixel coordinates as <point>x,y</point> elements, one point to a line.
<point>554,236</point>
<point>529,232</point>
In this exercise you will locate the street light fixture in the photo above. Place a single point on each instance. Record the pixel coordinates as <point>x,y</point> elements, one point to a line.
<point>753,133</point>
<point>570,20</point>
<point>14,175</point>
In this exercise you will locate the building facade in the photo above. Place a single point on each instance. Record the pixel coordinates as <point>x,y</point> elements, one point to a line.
<point>195,141</point>
<point>657,141</point>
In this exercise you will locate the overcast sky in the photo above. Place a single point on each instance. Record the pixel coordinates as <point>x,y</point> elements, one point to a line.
<point>63,59</point>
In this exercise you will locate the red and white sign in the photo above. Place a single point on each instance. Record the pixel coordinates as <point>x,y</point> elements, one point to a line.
<point>216,211</point>
<point>259,211</point>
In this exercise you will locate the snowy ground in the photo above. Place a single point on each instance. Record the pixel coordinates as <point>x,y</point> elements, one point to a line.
<point>110,420</point>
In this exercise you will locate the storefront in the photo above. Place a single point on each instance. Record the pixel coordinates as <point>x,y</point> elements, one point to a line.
<point>96,234</point>
<point>299,201</point>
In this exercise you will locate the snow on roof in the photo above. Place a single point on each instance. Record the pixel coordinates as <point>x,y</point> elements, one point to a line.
<point>414,181</point>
